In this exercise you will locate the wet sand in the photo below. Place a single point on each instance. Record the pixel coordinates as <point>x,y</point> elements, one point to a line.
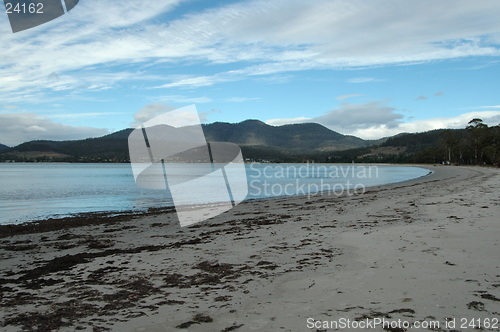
<point>426,249</point>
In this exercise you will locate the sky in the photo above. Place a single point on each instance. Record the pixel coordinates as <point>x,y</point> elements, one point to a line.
<point>365,68</point>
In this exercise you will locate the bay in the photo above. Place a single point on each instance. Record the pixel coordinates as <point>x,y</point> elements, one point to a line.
<point>36,191</point>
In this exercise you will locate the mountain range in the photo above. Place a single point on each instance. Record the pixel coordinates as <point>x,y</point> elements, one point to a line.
<point>257,139</point>
<point>287,143</point>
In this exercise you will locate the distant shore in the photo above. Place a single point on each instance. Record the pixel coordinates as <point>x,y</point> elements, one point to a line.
<point>420,250</point>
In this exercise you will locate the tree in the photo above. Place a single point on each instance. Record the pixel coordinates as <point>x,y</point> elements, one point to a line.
<point>477,134</point>
<point>449,143</point>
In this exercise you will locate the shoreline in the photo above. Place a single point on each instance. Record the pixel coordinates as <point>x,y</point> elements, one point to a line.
<point>102,217</point>
<point>411,250</point>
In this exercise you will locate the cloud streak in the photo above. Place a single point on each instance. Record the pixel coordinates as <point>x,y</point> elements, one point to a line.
<point>260,37</point>
<point>490,107</point>
<point>376,120</point>
<point>16,128</point>
<point>352,117</point>
<point>150,111</point>
<point>344,97</point>
<point>456,122</point>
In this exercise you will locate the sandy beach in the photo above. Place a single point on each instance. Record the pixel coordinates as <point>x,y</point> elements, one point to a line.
<point>419,251</point>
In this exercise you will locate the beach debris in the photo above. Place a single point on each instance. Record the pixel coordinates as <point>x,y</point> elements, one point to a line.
<point>222,298</point>
<point>475,305</point>
<point>405,310</point>
<point>197,319</point>
<point>490,297</point>
<point>394,329</point>
<point>232,328</point>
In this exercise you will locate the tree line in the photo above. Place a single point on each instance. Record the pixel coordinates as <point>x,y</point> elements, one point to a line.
<point>479,144</point>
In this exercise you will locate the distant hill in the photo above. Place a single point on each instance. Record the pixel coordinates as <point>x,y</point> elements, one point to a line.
<point>257,139</point>
<point>294,137</point>
<point>401,148</point>
<point>291,143</point>
<point>102,149</point>
<point>419,141</point>
<point>4,147</point>
<point>477,145</point>
<point>298,137</point>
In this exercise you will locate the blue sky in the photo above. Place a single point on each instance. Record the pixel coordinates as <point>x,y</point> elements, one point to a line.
<point>366,68</point>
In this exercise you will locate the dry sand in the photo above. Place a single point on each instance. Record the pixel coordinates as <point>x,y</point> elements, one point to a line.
<point>426,249</point>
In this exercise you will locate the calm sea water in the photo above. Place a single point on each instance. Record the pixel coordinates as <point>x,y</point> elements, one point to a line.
<point>38,191</point>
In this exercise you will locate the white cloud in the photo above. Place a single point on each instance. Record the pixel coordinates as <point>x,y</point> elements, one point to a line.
<point>150,111</point>
<point>355,116</point>
<point>351,116</point>
<point>284,121</point>
<point>177,117</point>
<point>204,115</point>
<point>490,107</point>
<point>372,130</point>
<point>124,13</point>
<point>343,97</point>
<point>275,36</point>
<point>456,122</point>
<point>36,129</point>
<point>192,82</point>
<point>17,128</point>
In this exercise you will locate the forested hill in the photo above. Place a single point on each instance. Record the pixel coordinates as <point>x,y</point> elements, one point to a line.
<point>295,137</point>
<point>476,144</point>
<point>258,139</point>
